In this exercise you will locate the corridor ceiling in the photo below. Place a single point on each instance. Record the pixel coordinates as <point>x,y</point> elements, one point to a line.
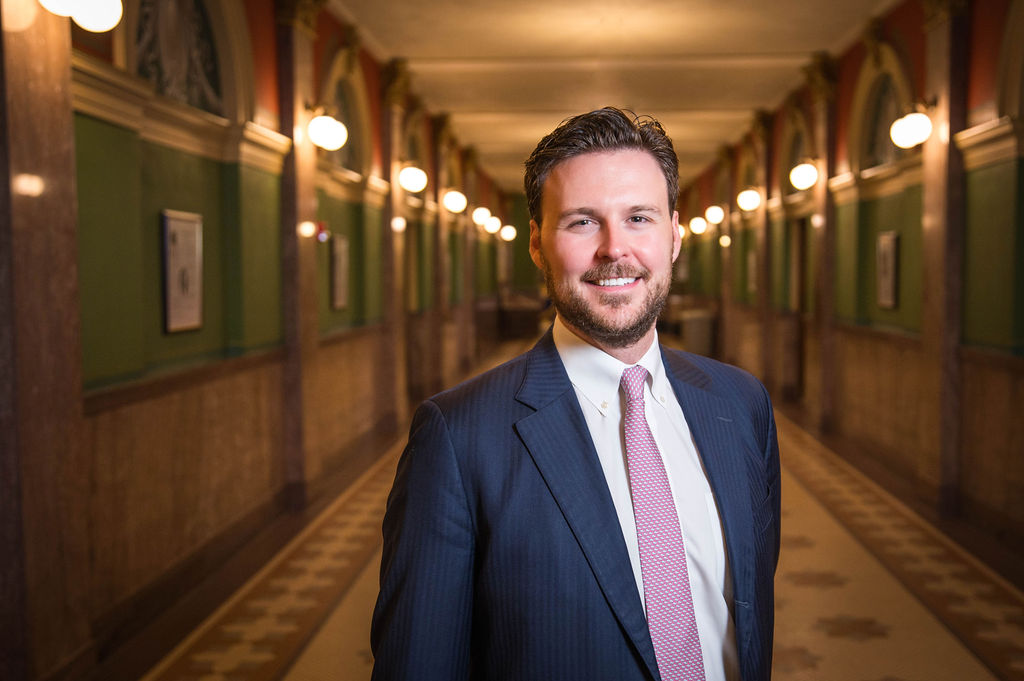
<point>508,72</point>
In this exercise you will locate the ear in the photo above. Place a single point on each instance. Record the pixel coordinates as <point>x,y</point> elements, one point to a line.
<point>535,253</point>
<point>677,239</point>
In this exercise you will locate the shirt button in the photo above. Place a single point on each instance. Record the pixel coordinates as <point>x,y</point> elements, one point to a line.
<point>604,405</point>
<point>661,398</point>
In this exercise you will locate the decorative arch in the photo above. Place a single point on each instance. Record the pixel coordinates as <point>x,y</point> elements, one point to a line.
<point>1010,93</point>
<point>227,24</point>
<point>882,72</point>
<point>344,92</point>
<point>795,145</point>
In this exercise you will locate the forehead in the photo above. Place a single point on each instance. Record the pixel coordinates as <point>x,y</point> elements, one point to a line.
<point>605,176</point>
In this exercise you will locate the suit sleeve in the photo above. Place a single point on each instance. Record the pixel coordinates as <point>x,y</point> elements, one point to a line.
<point>771,460</point>
<point>422,621</point>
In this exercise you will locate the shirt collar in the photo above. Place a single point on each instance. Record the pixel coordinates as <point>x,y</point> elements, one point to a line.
<point>596,374</point>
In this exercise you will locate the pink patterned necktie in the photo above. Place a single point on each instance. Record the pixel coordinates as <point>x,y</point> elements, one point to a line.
<point>662,553</point>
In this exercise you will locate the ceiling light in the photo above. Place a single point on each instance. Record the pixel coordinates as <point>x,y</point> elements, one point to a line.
<point>749,199</point>
<point>507,233</point>
<point>412,179</point>
<point>454,201</point>
<point>714,215</point>
<point>698,225</point>
<point>327,132</point>
<point>803,176</point>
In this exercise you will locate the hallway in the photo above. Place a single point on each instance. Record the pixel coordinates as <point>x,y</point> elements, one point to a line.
<point>866,590</point>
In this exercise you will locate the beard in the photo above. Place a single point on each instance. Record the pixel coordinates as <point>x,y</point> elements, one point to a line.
<point>606,331</point>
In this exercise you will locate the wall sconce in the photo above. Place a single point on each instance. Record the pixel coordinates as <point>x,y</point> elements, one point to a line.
<point>912,129</point>
<point>507,233</point>
<point>804,175</point>
<point>454,201</point>
<point>412,179</point>
<point>725,241</point>
<point>307,228</point>
<point>698,225</point>
<point>480,216</point>
<point>327,132</point>
<point>96,16</point>
<point>749,199</point>
<point>398,224</point>
<point>714,215</point>
<point>492,225</point>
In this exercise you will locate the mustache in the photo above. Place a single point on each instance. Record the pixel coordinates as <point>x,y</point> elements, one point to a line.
<point>609,270</point>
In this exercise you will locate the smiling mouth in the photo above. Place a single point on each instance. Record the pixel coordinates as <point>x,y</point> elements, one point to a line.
<point>620,281</point>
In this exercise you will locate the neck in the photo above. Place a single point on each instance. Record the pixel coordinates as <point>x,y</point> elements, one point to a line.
<point>629,354</point>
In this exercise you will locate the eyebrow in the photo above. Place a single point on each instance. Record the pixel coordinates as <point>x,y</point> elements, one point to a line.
<point>592,212</point>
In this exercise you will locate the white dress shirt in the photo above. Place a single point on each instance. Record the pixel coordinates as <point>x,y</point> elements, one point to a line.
<point>595,376</point>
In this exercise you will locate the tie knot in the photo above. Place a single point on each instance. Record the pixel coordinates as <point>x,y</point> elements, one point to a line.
<point>632,383</point>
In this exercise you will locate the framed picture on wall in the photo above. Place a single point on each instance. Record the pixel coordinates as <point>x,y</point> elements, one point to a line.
<point>183,270</point>
<point>339,272</point>
<point>887,269</point>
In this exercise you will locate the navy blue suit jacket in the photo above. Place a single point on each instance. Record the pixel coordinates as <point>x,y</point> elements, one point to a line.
<point>503,554</point>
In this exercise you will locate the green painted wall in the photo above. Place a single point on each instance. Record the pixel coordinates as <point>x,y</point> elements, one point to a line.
<point>124,184</point>
<point>425,265</point>
<point>994,253</point>
<point>743,244</point>
<point>705,263</point>
<point>455,267</point>
<point>110,267</point>
<point>857,229</point>
<point>900,213</point>
<point>779,232</point>
<point>486,266</point>
<point>525,275</point>
<point>345,222</point>
<point>373,262</point>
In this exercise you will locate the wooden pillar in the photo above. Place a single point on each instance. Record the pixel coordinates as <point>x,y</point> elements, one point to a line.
<point>822,79</point>
<point>296,21</point>
<point>763,145</point>
<point>44,467</point>
<point>396,89</point>
<point>943,221</point>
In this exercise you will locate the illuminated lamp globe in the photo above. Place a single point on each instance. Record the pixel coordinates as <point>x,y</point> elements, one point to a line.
<point>698,225</point>
<point>507,233</point>
<point>911,130</point>
<point>398,224</point>
<point>99,16</point>
<point>62,8</point>
<point>454,201</point>
<point>725,241</point>
<point>307,228</point>
<point>749,199</point>
<point>492,225</point>
<point>714,215</point>
<point>327,132</point>
<point>412,179</point>
<point>480,215</point>
<point>803,176</point>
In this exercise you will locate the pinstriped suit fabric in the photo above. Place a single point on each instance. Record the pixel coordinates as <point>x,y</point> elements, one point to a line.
<point>503,555</point>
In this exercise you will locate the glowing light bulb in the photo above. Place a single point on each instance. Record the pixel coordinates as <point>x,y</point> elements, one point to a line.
<point>454,201</point>
<point>98,16</point>
<point>480,215</point>
<point>714,215</point>
<point>698,225</point>
<point>725,241</point>
<point>398,224</point>
<point>327,132</point>
<point>307,228</point>
<point>493,224</point>
<point>803,176</point>
<point>412,179</point>
<point>749,199</point>
<point>911,130</point>
<point>507,233</point>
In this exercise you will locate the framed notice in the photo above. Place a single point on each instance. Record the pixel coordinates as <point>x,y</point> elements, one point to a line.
<point>887,269</point>
<point>339,272</point>
<point>183,270</point>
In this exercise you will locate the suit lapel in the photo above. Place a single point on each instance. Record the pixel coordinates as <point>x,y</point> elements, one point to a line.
<point>717,432</point>
<point>557,437</point>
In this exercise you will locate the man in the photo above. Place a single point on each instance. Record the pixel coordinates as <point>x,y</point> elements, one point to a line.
<point>546,524</point>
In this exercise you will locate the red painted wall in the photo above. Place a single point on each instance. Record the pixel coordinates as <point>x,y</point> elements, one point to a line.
<point>988,30</point>
<point>263,37</point>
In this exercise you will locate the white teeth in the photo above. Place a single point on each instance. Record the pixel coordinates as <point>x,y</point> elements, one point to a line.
<point>622,281</point>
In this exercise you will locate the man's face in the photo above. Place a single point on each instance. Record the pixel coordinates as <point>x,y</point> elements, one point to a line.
<point>606,245</point>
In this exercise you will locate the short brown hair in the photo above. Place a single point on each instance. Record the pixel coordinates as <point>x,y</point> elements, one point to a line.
<point>607,129</point>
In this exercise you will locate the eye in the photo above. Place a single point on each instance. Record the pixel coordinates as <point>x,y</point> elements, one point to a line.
<point>639,219</point>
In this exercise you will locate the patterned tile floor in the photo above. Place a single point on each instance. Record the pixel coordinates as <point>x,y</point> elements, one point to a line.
<point>866,591</point>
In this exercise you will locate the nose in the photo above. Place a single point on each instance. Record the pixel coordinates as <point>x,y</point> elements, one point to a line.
<point>613,243</point>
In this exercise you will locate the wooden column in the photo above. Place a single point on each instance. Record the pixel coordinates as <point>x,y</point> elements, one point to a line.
<point>296,19</point>
<point>396,89</point>
<point>943,220</point>
<point>822,79</point>
<point>763,145</point>
<point>44,562</point>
